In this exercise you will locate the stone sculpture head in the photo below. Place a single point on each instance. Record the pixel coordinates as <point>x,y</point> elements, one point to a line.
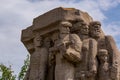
<point>84,29</point>
<point>80,26</point>
<point>65,27</point>
<point>95,29</point>
<point>103,55</point>
<point>38,40</point>
<point>47,42</point>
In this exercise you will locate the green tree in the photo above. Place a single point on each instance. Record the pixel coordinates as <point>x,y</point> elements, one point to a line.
<point>6,73</point>
<point>24,68</point>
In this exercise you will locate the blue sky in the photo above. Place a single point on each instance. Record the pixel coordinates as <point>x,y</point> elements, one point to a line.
<point>16,15</point>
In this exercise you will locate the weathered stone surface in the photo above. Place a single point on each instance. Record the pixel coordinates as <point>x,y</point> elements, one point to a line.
<point>59,14</point>
<point>66,44</point>
<point>27,39</point>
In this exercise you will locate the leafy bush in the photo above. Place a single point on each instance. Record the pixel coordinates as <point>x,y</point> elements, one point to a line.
<point>24,68</point>
<point>7,73</point>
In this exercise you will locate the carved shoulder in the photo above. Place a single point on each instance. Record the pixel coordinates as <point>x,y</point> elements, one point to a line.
<point>113,50</point>
<point>111,45</point>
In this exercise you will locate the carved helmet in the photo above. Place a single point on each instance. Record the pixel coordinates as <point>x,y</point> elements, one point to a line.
<point>66,24</point>
<point>94,23</point>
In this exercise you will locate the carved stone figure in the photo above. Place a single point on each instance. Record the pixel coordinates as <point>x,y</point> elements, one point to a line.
<point>86,69</point>
<point>106,42</point>
<point>103,68</point>
<point>68,52</point>
<point>72,44</point>
<point>51,59</point>
<point>38,60</point>
<point>66,44</point>
<point>35,58</point>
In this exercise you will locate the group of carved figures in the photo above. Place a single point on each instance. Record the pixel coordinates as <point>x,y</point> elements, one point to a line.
<point>78,51</point>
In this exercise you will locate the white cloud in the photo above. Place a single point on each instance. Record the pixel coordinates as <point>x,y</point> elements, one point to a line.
<point>113,28</point>
<point>107,4</point>
<point>16,15</point>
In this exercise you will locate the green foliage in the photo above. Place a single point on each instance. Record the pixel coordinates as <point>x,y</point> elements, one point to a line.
<point>6,73</point>
<point>24,68</point>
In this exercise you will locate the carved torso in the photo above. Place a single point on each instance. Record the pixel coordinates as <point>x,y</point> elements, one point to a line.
<point>103,72</point>
<point>82,68</point>
<point>38,64</point>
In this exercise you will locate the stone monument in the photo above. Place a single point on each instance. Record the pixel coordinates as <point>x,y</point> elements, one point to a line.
<point>67,44</point>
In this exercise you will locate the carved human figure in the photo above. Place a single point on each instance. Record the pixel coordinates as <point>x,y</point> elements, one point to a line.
<point>35,58</point>
<point>86,69</point>
<point>51,61</point>
<point>108,43</point>
<point>52,52</point>
<point>103,68</point>
<point>70,43</point>
<point>38,60</point>
<point>66,52</point>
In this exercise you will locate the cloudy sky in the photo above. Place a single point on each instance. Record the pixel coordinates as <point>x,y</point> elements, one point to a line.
<point>16,15</point>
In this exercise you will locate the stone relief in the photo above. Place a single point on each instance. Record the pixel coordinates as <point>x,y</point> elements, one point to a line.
<point>70,47</point>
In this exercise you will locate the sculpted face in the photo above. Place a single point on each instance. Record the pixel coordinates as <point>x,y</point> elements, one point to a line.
<point>47,42</point>
<point>81,27</point>
<point>95,30</point>
<point>65,27</point>
<point>103,55</point>
<point>38,40</point>
<point>84,29</point>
